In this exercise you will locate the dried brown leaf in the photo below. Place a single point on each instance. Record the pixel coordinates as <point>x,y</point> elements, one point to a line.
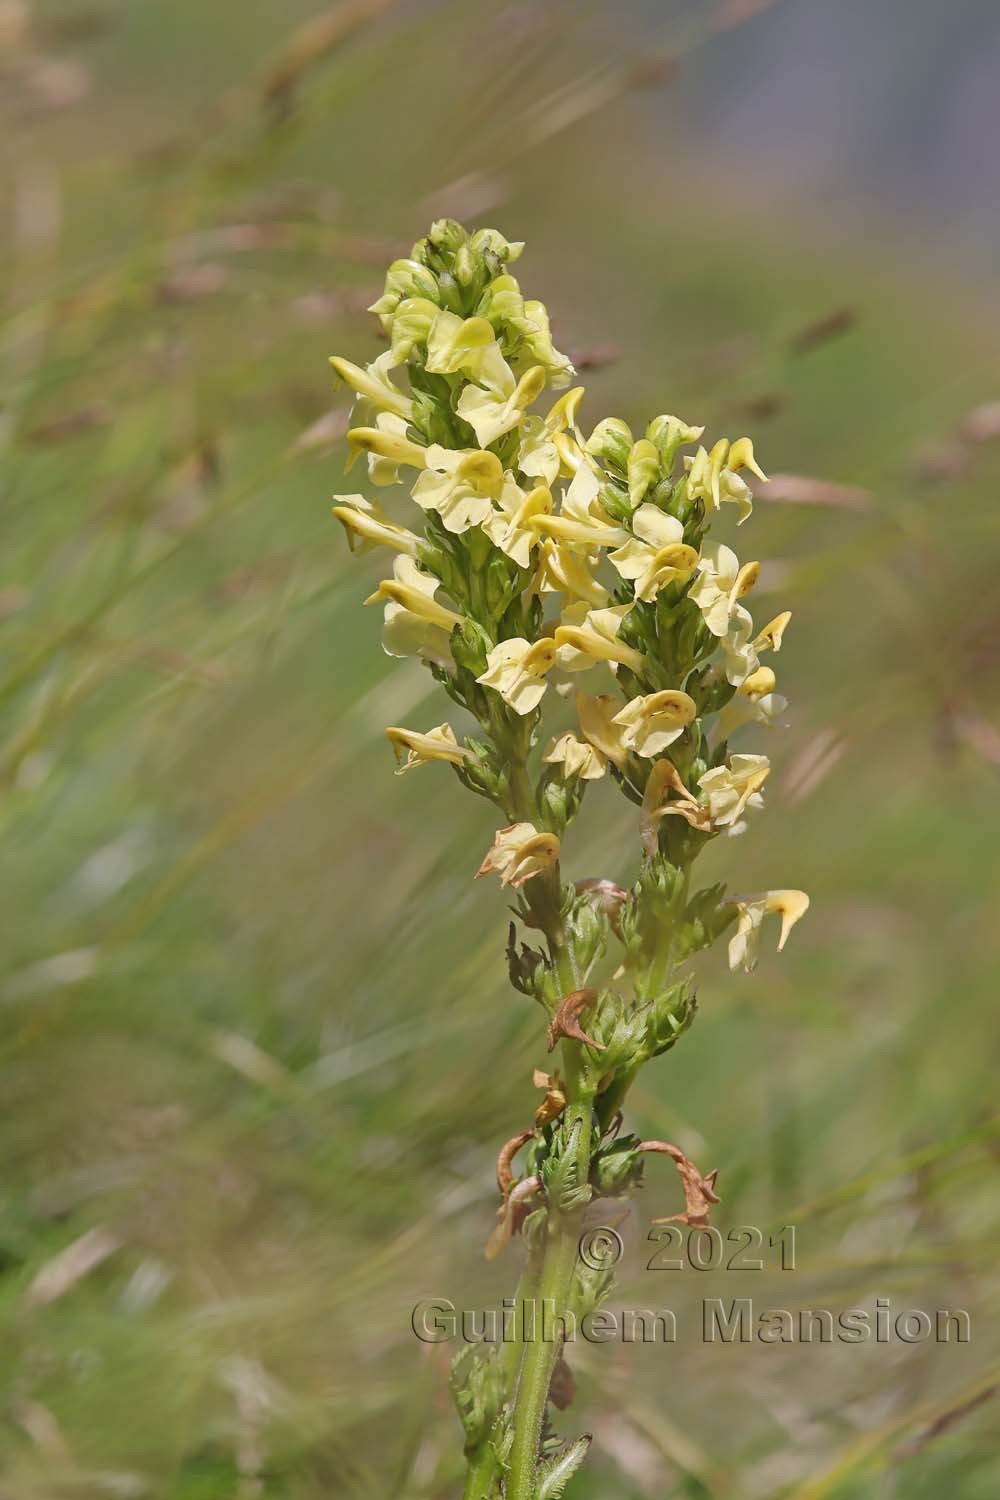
<point>565,1022</point>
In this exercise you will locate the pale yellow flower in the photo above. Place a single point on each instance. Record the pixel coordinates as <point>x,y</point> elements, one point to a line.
<point>545,452</point>
<point>519,853</point>
<point>491,413</point>
<point>576,758</point>
<point>588,636</point>
<point>460,484</point>
<point>373,383</point>
<point>466,345</point>
<point>387,447</point>
<point>516,669</point>
<point>367,525</point>
<point>720,584</point>
<point>656,554</point>
<point>582,521</point>
<point>564,569</point>
<point>739,654</point>
<point>511,527</point>
<point>745,942</point>
<point>597,718</point>
<point>420,749</point>
<point>755,702</point>
<point>415,624</point>
<point>715,479</point>
<point>652,722</point>
<point>732,788</point>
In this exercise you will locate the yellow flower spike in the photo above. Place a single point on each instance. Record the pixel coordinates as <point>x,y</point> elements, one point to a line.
<point>771,636</point>
<point>517,668</point>
<point>643,469</point>
<point>375,387</point>
<point>596,717</point>
<point>791,906</point>
<point>732,788</point>
<point>420,749</point>
<point>459,484</point>
<point>391,445</point>
<point>576,758</point>
<point>652,722</point>
<point>655,555</point>
<point>591,636</point>
<point>519,854</point>
<point>741,457</point>
<point>364,521</point>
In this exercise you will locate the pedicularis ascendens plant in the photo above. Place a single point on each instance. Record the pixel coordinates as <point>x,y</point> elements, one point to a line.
<point>561,571</point>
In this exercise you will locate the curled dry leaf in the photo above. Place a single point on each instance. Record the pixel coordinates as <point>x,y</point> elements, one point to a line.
<point>699,1191</point>
<point>565,1022</point>
<point>508,1151</point>
<point>555,1098</point>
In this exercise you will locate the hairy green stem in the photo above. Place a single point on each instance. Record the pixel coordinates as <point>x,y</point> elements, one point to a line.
<point>555,1284</point>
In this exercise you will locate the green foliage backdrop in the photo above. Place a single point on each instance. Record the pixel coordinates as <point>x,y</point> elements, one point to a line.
<point>257,1045</point>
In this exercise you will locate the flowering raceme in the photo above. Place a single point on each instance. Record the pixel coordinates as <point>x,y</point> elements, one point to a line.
<point>540,571</point>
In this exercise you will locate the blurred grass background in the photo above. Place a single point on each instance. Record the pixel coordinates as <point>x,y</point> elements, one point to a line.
<point>257,1044</point>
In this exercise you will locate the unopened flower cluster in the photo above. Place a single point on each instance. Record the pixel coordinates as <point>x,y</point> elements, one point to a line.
<point>567,574</point>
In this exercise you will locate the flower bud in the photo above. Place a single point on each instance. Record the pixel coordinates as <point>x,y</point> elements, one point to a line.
<point>492,242</point>
<point>404,278</point>
<point>612,441</point>
<point>411,324</point>
<point>669,434</point>
<point>447,235</point>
